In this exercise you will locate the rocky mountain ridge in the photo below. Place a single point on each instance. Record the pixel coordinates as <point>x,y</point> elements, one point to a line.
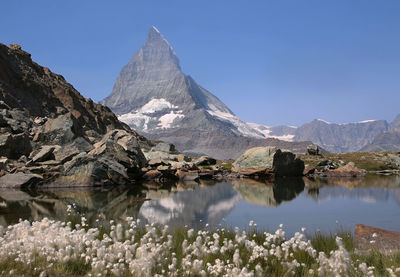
<point>154,96</point>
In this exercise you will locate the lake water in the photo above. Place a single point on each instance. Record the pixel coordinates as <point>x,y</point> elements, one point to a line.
<point>326,205</point>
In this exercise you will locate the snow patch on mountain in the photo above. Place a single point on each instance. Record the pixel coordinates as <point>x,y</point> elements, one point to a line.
<point>156,105</point>
<point>142,117</point>
<point>268,132</point>
<point>167,119</point>
<point>242,127</point>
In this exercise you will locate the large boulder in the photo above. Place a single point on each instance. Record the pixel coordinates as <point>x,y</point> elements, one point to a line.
<point>268,160</point>
<point>164,147</point>
<point>127,143</point>
<point>367,238</point>
<point>312,149</point>
<point>60,130</point>
<point>94,170</point>
<point>14,146</point>
<point>19,180</point>
<point>66,153</point>
<point>204,161</point>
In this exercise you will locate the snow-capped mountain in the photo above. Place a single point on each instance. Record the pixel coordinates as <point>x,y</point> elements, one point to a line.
<point>154,97</point>
<point>152,94</point>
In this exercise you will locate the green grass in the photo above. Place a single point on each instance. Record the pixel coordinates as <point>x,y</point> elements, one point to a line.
<point>370,161</point>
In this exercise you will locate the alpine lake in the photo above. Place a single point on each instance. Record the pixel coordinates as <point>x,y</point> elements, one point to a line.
<point>325,205</point>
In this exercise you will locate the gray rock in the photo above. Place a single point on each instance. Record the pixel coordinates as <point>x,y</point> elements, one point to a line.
<point>205,160</point>
<point>328,164</point>
<point>90,169</point>
<point>263,160</point>
<point>60,130</point>
<point>67,152</point>
<point>14,146</point>
<point>19,180</point>
<point>152,155</point>
<point>128,142</point>
<point>312,149</point>
<point>45,153</point>
<point>164,147</point>
<point>3,163</point>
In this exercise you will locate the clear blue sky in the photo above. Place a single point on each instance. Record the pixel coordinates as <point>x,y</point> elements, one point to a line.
<point>272,62</point>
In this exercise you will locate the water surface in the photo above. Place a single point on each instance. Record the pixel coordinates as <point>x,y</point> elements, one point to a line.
<point>326,205</point>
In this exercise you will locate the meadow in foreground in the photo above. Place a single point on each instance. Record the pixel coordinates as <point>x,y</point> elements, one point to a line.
<point>55,248</point>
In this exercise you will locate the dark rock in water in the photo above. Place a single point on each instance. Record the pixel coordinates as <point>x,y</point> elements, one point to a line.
<point>60,130</point>
<point>367,238</point>
<point>14,146</point>
<point>313,149</point>
<point>268,160</point>
<point>204,161</point>
<point>19,180</point>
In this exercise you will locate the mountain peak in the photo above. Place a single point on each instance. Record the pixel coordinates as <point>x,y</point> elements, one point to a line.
<point>154,36</point>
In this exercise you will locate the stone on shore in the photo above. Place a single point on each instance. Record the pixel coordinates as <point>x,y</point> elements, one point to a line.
<point>19,180</point>
<point>268,160</point>
<point>367,238</point>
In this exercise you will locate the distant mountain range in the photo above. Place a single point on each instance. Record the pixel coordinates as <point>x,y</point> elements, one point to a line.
<point>153,96</point>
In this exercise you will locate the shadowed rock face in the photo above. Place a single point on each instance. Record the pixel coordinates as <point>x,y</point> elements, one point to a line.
<point>40,113</point>
<point>157,99</point>
<point>38,92</point>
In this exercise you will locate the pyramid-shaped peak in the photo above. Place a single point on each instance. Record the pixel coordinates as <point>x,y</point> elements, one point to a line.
<point>154,36</point>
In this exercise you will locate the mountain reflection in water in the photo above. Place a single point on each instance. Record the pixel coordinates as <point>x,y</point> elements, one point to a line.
<point>196,205</point>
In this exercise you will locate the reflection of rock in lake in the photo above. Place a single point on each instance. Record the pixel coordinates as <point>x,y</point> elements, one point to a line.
<point>255,192</point>
<point>112,203</point>
<point>194,207</point>
<point>269,193</point>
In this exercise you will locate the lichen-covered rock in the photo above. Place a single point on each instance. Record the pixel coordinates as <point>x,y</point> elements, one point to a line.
<point>268,160</point>
<point>60,130</point>
<point>94,170</point>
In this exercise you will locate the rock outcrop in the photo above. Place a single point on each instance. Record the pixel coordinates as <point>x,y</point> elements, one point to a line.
<point>49,133</point>
<point>263,161</point>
